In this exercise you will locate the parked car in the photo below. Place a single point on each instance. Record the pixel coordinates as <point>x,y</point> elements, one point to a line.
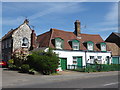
<point>3,64</point>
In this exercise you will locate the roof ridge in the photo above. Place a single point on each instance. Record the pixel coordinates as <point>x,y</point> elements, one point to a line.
<point>60,30</point>
<point>90,34</point>
<point>72,32</point>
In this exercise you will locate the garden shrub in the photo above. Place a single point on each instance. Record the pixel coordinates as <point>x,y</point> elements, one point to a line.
<point>25,68</point>
<point>13,67</point>
<point>44,62</point>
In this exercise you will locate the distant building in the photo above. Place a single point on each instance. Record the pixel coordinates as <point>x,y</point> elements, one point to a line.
<point>21,37</point>
<point>113,42</point>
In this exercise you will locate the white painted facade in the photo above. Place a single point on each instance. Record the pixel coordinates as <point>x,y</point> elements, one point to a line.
<point>103,55</point>
<point>84,54</point>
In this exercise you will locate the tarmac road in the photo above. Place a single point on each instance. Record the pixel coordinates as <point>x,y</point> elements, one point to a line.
<point>67,79</point>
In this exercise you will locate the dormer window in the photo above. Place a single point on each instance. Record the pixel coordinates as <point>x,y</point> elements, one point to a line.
<point>25,42</point>
<point>103,46</point>
<point>59,43</point>
<point>75,45</point>
<point>90,45</point>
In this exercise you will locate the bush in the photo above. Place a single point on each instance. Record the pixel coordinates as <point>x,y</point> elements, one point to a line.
<point>25,68</point>
<point>13,67</point>
<point>11,61</point>
<point>32,71</point>
<point>44,62</point>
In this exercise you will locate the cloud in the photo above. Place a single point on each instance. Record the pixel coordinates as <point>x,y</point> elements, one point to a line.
<point>39,10</point>
<point>58,8</point>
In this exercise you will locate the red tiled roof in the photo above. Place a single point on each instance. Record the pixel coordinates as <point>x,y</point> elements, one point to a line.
<point>8,34</point>
<point>45,40</point>
<point>114,48</point>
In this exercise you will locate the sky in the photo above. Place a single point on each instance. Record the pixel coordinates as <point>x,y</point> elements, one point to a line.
<point>95,17</point>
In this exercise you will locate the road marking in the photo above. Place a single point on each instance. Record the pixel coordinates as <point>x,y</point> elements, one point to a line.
<point>111,84</point>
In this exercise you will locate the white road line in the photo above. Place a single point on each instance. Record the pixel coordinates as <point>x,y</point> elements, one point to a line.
<point>111,84</point>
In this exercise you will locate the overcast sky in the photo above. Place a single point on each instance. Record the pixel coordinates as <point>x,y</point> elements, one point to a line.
<point>98,17</point>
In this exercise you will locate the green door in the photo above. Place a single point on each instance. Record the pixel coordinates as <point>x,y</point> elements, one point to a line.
<point>63,63</point>
<point>79,62</point>
<point>115,60</point>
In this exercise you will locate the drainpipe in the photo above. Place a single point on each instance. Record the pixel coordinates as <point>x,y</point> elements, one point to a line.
<point>85,58</point>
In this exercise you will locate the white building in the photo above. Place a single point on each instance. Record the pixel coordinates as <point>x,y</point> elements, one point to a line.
<point>75,48</point>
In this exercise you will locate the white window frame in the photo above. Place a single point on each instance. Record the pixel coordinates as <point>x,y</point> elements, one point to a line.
<point>75,45</point>
<point>27,43</point>
<point>58,43</point>
<point>90,46</point>
<point>92,59</point>
<point>99,58</point>
<point>74,60</point>
<point>103,48</point>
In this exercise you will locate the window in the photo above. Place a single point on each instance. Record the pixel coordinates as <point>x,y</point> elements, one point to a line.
<point>75,60</point>
<point>92,59</point>
<point>10,43</point>
<point>5,44</point>
<point>58,43</point>
<point>90,45</point>
<point>25,42</point>
<point>103,47</point>
<point>99,57</point>
<point>75,45</point>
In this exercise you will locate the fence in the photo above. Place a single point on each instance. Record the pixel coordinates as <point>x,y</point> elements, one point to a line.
<point>95,67</point>
<point>75,67</point>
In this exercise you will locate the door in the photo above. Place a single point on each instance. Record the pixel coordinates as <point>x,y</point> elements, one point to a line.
<point>79,62</point>
<point>63,63</point>
<point>115,60</point>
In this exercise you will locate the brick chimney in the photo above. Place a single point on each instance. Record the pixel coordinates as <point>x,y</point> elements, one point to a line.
<point>33,40</point>
<point>77,27</point>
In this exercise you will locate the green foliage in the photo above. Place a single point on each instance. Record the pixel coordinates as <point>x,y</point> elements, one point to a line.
<point>11,61</point>
<point>25,68</point>
<point>45,62</point>
<point>13,67</point>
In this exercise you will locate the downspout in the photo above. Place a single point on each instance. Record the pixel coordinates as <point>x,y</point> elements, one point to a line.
<point>85,58</point>
<point>110,60</point>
